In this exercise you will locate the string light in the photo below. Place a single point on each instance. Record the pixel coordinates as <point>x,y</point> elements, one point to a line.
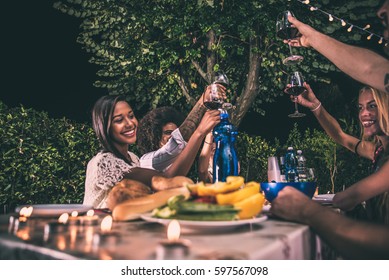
<point>344,23</point>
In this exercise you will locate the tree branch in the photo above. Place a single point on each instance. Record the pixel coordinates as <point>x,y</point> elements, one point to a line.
<point>251,89</point>
<point>211,36</point>
<point>200,71</point>
<point>185,91</point>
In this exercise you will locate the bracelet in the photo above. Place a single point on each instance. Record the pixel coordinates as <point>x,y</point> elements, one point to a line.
<point>318,106</point>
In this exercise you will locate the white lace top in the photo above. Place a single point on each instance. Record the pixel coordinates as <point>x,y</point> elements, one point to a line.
<point>103,172</point>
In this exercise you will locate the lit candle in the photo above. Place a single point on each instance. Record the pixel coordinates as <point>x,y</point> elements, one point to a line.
<point>90,219</point>
<point>60,226</point>
<point>173,248</point>
<point>16,224</point>
<point>74,219</point>
<point>106,237</point>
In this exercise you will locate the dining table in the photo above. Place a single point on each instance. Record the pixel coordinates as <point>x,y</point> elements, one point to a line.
<point>262,238</point>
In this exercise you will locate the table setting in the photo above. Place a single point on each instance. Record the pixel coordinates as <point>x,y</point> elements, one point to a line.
<point>75,231</point>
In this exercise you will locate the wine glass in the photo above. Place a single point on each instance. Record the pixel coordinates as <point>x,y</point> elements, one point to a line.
<point>295,87</point>
<point>215,98</point>
<point>311,175</point>
<point>286,31</point>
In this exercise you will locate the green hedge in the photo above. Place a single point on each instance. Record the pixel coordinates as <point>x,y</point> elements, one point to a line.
<point>43,160</point>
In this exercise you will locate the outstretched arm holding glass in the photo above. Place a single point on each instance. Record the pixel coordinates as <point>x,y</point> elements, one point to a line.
<point>361,64</point>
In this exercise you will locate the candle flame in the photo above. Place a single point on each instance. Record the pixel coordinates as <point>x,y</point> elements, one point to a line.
<point>63,218</point>
<point>29,211</point>
<point>23,211</point>
<point>173,230</point>
<point>90,213</point>
<point>74,214</point>
<point>106,224</point>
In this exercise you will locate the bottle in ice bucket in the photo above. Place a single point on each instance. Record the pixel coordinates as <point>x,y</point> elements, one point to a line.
<point>282,169</point>
<point>301,166</point>
<point>291,166</point>
<point>225,159</point>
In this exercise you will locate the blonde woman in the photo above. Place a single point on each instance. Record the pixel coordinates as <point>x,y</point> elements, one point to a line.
<point>373,116</point>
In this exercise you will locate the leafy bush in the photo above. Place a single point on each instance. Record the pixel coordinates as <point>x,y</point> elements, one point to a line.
<point>43,160</point>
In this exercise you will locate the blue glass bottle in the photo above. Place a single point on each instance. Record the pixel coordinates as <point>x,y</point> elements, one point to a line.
<point>225,159</point>
<point>291,166</point>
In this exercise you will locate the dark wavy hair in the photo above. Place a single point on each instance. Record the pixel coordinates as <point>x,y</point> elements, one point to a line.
<point>150,127</point>
<point>101,121</point>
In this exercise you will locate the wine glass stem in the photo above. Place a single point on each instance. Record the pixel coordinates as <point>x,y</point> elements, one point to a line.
<point>295,106</point>
<point>290,48</point>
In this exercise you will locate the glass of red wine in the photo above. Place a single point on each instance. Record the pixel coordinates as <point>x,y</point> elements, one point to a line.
<point>295,87</point>
<point>215,98</point>
<point>286,31</point>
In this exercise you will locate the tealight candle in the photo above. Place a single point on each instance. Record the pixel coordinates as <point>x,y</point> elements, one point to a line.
<point>20,223</point>
<point>59,226</point>
<point>173,248</point>
<point>106,237</point>
<point>74,219</point>
<point>90,219</point>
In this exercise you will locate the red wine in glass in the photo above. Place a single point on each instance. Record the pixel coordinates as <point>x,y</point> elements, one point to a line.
<point>295,87</point>
<point>295,90</point>
<point>213,105</point>
<point>214,98</point>
<point>287,33</point>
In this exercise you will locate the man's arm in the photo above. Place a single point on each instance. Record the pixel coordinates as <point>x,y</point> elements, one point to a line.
<point>361,64</point>
<point>352,239</point>
<point>196,114</point>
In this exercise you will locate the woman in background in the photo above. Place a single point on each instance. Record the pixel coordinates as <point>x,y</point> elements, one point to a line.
<point>159,139</point>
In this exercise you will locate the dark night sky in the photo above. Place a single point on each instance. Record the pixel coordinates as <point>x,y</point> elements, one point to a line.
<point>44,66</point>
<point>47,70</point>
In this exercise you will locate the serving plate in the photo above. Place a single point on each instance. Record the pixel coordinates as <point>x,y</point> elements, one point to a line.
<point>207,225</point>
<point>54,210</point>
<point>324,198</point>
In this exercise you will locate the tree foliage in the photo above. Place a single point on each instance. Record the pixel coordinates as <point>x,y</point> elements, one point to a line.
<point>164,52</point>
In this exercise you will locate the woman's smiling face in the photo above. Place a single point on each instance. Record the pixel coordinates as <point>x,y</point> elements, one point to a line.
<point>124,124</point>
<point>368,114</point>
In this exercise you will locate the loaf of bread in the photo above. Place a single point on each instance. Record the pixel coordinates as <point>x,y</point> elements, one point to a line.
<point>133,208</point>
<point>160,183</point>
<point>125,190</point>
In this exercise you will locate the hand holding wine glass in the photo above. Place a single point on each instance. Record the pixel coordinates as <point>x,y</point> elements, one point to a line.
<point>295,87</point>
<point>285,30</point>
<point>215,96</point>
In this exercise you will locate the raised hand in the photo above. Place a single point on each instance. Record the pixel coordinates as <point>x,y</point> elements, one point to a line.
<point>307,99</point>
<point>210,119</point>
<point>305,31</point>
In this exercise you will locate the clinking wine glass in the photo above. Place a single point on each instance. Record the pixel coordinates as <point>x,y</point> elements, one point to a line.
<point>285,30</point>
<point>215,98</point>
<point>295,87</point>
